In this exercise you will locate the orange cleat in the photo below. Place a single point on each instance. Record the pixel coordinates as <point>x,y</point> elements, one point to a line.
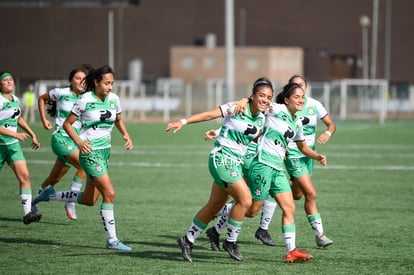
<point>297,255</point>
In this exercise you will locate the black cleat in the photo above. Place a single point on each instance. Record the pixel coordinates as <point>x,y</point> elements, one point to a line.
<point>233,250</point>
<point>214,238</point>
<point>186,248</point>
<point>31,217</point>
<point>264,236</point>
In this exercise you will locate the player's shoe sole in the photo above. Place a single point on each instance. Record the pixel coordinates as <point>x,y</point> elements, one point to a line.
<point>118,245</point>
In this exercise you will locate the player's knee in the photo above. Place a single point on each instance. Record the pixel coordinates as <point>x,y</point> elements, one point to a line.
<point>311,196</point>
<point>297,195</point>
<point>109,197</point>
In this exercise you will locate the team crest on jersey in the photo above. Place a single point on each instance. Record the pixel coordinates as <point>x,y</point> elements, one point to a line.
<point>78,109</point>
<point>310,111</point>
<point>270,109</point>
<point>229,112</point>
<point>233,173</point>
<point>69,147</point>
<point>112,105</point>
<point>260,122</point>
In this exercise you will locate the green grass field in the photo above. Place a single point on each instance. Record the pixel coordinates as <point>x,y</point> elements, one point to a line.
<point>365,197</point>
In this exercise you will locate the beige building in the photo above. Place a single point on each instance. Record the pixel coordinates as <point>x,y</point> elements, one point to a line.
<point>204,63</point>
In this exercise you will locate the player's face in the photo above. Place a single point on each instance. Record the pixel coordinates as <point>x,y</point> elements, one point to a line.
<point>300,82</point>
<point>77,82</point>
<point>104,87</point>
<point>296,100</point>
<point>261,99</point>
<point>7,85</point>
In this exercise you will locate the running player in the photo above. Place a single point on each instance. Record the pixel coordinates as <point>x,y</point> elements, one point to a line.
<point>99,110</point>
<point>10,150</point>
<point>62,101</point>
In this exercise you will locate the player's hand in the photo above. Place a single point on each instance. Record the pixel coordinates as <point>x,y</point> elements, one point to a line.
<point>323,160</point>
<point>47,125</point>
<point>85,147</point>
<point>323,138</point>
<point>210,135</point>
<point>241,105</point>
<point>128,143</point>
<point>35,143</point>
<point>177,125</point>
<point>21,136</point>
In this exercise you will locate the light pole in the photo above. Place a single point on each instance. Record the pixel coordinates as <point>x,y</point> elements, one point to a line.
<point>374,42</point>
<point>229,29</point>
<point>364,21</point>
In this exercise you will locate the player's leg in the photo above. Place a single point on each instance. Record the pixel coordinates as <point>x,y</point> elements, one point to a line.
<point>280,190</point>
<point>218,197</point>
<point>78,181</point>
<point>213,233</point>
<point>59,169</point>
<point>21,171</point>
<point>13,155</point>
<point>262,233</point>
<point>243,201</point>
<point>314,218</point>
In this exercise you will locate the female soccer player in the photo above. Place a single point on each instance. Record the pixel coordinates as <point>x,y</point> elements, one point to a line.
<point>300,168</point>
<point>266,174</point>
<point>99,110</point>
<point>62,100</point>
<point>225,165</point>
<point>10,150</point>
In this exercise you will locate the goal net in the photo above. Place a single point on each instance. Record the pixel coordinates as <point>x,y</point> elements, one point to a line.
<point>353,98</point>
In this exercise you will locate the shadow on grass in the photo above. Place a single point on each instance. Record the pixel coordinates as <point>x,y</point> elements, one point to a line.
<point>20,220</point>
<point>31,241</point>
<point>43,242</point>
<point>202,252</point>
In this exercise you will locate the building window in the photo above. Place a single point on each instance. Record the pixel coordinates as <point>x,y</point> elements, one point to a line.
<point>209,63</point>
<point>252,64</point>
<point>187,63</point>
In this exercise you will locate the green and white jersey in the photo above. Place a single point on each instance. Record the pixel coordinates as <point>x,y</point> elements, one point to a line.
<point>312,111</point>
<point>9,116</point>
<point>280,129</point>
<point>65,100</point>
<point>238,130</point>
<point>97,117</point>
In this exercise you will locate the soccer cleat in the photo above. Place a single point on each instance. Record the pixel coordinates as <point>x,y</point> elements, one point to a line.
<point>233,250</point>
<point>213,235</point>
<point>44,196</point>
<point>323,241</point>
<point>186,248</point>
<point>70,210</point>
<point>264,236</point>
<point>118,245</point>
<point>297,255</point>
<point>31,217</point>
